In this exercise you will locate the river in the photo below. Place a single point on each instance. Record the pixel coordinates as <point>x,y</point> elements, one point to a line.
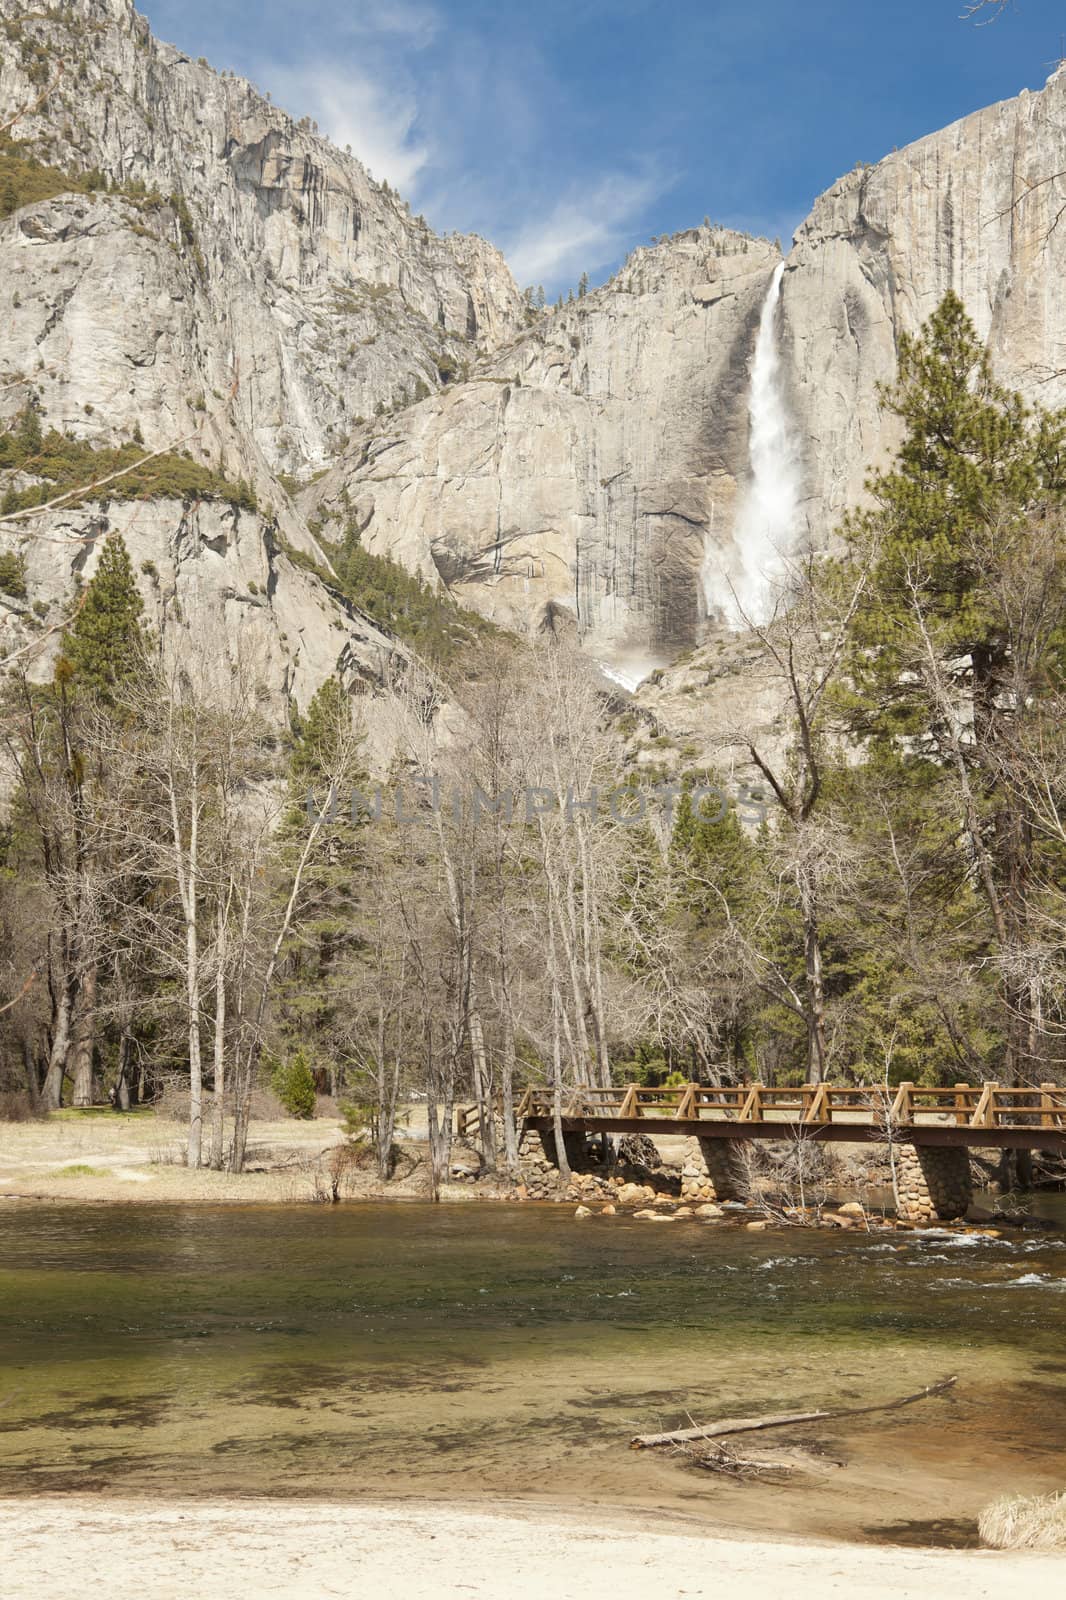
<point>510,1352</point>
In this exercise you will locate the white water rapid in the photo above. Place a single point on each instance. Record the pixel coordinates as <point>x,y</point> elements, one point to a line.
<point>743,583</point>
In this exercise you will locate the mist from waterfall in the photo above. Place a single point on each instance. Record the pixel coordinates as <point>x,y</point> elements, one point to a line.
<point>744,582</point>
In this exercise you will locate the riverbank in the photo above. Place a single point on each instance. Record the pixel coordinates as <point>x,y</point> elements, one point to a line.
<point>106,1157</point>
<point>101,1157</point>
<point>414,1551</point>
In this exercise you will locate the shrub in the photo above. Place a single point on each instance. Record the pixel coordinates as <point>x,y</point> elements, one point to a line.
<point>358,1118</point>
<point>428,620</point>
<point>12,575</point>
<point>1018,1522</point>
<point>71,466</point>
<point>294,1084</point>
<point>16,1106</point>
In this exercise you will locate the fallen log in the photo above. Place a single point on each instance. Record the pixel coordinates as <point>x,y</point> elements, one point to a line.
<point>785,1419</point>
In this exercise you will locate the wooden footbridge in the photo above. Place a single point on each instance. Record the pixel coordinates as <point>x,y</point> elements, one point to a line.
<point>965,1114</point>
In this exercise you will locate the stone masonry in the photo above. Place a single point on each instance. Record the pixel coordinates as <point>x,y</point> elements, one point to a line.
<point>711,1172</point>
<point>934,1182</point>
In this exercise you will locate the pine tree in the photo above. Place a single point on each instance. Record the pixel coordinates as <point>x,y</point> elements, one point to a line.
<point>712,861</point>
<point>713,868</point>
<point>105,642</point>
<point>583,286</point>
<point>961,636</point>
<point>975,463</point>
<point>30,436</point>
<point>322,775</point>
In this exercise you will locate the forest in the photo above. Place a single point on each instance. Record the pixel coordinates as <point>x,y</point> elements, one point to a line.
<point>191,895</point>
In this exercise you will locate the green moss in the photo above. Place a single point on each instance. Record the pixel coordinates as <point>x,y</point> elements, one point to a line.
<point>25,180</point>
<point>401,603</point>
<point>71,466</point>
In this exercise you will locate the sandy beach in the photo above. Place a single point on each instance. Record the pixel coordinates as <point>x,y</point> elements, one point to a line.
<point>305,1550</point>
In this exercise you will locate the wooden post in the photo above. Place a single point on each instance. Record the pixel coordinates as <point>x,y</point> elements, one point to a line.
<point>1047,1105</point>
<point>816,1109</point>
<point>902,1109</point>
<point>686,1106</point>
<point>984,1115</point>
<point>629,1106</point>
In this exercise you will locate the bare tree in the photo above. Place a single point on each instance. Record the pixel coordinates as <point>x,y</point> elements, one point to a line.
<point>804,641</point>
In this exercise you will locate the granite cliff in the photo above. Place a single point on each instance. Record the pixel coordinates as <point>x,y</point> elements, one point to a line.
<point>216,278</point>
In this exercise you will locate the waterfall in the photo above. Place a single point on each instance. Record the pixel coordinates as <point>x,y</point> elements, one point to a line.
<point>766,524</point>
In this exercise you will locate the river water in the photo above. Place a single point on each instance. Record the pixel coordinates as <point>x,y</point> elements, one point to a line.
<point>511,1352</point>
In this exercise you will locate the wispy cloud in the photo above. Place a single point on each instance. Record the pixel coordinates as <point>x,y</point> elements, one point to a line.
<point>583,231</point>
<point>417,25</point>
<point>377,118</point>
<point>468,132</point>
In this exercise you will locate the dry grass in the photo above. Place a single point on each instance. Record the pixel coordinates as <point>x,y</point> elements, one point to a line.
<point>1018,1522</point>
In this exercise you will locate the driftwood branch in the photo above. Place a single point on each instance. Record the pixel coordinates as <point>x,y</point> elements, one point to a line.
<point>716,1430</point>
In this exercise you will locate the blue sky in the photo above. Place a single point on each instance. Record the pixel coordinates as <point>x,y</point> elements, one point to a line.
<point>569,131</point>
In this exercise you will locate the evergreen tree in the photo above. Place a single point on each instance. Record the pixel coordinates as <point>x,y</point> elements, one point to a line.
<point>105,642</point>
<point>583,286</point>
<point>323,773</point>
<point>975,463</point>
<point>712,861</point>
<point>961,635</point>
<point>712,867</point>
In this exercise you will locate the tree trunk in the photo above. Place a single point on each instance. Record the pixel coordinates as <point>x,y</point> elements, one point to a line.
<point>815,991</point>
<point>192,994</point>
<point>52,1091</point>
<point>482,1090</point>
<point>84,1038</point>
<point>122,1082</point>
<point>218,1108</point>
<point>29,1067</point>
<point>510,1132</point>
<point>242,1105</point>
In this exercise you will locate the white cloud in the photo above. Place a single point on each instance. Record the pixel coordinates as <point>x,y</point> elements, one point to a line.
<point>377,119</point>
<point>581,232</point>
<point>417,25</point>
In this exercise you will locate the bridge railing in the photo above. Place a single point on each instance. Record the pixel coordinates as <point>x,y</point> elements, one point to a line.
<point>961,1105</point>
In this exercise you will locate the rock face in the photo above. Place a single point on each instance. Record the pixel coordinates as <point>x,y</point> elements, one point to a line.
<point>320,285</point>
<point>245,292</point>
<point>586,469</point>
<point>248,293</point>
<point>216,585</point>
<point>581,475</point>
<point>974,208</point>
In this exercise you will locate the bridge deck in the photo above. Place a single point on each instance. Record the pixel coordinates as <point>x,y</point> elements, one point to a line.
<point>965,1114</point>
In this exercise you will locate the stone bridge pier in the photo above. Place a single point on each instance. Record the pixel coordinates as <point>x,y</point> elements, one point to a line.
<point>712,1171</point>
<point>576,1146</point>
<point>934,1182</point>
